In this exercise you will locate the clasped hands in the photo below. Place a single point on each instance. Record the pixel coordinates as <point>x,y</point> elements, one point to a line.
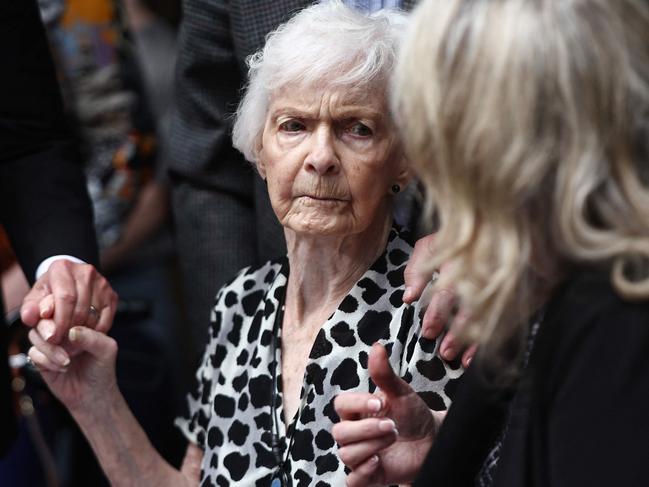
<point>70,308</point>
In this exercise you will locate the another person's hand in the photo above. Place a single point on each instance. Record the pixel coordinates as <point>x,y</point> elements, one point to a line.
<point>384,437</point>
<point>64,296</point>
<point>440,309</point>
<point>84,383</point>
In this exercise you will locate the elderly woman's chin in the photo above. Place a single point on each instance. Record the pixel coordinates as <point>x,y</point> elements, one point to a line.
<point>321,218</point>
<point>341,216</point>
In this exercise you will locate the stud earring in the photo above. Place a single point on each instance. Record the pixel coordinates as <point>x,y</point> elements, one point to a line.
<point>395,188</point>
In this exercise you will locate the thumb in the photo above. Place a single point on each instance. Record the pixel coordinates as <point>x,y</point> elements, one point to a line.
<point>95,343</point>
<point>382,374</point>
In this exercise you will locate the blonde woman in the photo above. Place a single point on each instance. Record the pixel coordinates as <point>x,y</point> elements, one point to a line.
<point>529,122</point>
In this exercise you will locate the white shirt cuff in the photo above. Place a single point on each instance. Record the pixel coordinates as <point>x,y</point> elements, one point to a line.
<point>45,265</point>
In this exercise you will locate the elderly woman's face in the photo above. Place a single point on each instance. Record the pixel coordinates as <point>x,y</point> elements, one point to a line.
<point>330,159</point>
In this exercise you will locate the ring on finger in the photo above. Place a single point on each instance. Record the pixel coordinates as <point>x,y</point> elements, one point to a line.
<point>93,312</point>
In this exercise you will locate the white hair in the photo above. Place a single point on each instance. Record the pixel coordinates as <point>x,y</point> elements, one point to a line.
<point>325,45</point>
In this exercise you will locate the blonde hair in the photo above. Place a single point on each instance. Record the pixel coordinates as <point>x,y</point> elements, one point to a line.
<point>528,122</point>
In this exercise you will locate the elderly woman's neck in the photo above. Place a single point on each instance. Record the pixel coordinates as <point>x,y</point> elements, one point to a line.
<point>324,269</point>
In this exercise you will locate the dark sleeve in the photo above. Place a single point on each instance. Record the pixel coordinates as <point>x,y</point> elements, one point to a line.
<point>207,88</point>
<point>598,426</point>
<point>44,205</point>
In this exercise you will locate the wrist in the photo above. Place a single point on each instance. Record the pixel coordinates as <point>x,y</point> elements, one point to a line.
<point>98,407</point>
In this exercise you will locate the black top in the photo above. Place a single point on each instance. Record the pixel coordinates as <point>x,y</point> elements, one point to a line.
<point>580,415</point>
<point>44,204</point>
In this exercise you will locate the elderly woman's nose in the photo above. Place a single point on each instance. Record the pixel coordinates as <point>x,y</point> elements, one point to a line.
<point>322,157</point>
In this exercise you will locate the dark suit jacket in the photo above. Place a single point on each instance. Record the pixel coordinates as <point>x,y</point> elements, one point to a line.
<point>581,412</point>
<point>44,205</point>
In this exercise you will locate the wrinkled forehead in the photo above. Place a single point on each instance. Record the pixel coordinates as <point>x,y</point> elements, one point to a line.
<point>371,97</point>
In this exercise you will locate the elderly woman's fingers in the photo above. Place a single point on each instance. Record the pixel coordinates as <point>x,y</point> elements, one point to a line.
<point>417,273</point>
<point>356,453</point>
<point>347,432</point>
<point>366,474</point>
<point>384,376</point>
<point>94,342</point>
<point>54,353</point>
<point>46,329</point>
<point>42,362</point>
<point>354,405</point>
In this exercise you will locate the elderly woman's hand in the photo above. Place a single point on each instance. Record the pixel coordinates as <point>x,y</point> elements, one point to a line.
<point>85,382</point>
<point>384,437</point>
<point>440,308</point>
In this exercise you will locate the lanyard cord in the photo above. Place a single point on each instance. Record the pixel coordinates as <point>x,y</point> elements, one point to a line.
<point>275,442</point>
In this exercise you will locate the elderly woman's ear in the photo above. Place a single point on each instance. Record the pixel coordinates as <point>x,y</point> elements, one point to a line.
<point>404,174</point>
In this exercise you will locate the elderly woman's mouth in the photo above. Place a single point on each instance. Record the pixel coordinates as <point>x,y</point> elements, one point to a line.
<point>322,199</point>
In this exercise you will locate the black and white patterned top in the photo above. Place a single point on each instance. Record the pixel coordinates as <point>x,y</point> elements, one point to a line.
<point>229,412</point>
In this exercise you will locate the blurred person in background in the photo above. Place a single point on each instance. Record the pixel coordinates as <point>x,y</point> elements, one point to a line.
<point>44,209</point>
<point>107,99</point>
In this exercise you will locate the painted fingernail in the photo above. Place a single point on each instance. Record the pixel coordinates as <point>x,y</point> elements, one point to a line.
<point>468,361</point>
<point>407,293</point>
<point>374,404</point>
<point>62,359</point>
<point>73,334</point>
<point>45,310</point>
<point>387,425</point>
<point>448,352</point>
<point>48,330</point>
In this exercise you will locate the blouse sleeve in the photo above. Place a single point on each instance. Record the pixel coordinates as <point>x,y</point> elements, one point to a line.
<point>421,366</point>
<point>195,420</point>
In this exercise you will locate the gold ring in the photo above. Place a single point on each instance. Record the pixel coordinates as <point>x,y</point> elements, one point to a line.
<point>93,311</point>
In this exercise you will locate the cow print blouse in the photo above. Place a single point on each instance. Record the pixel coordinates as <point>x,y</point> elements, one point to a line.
<point>229,412</point>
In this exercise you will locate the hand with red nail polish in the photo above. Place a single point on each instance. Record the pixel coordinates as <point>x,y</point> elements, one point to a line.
<point>440,313</point>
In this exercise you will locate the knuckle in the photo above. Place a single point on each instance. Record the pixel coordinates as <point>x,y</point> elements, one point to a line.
<point>344,455</point>
<point>89,269</point>
<point>111,346</point>
<point>67,297</point>
<point>336,431</point>
<point>80,316</point>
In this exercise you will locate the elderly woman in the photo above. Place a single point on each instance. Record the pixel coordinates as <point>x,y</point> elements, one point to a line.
<point>287,337</point>
<point>529,123</point>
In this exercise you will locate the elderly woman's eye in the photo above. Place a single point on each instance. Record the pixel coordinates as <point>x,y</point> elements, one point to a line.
<point>292,126</point>
<point>360,129</point>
